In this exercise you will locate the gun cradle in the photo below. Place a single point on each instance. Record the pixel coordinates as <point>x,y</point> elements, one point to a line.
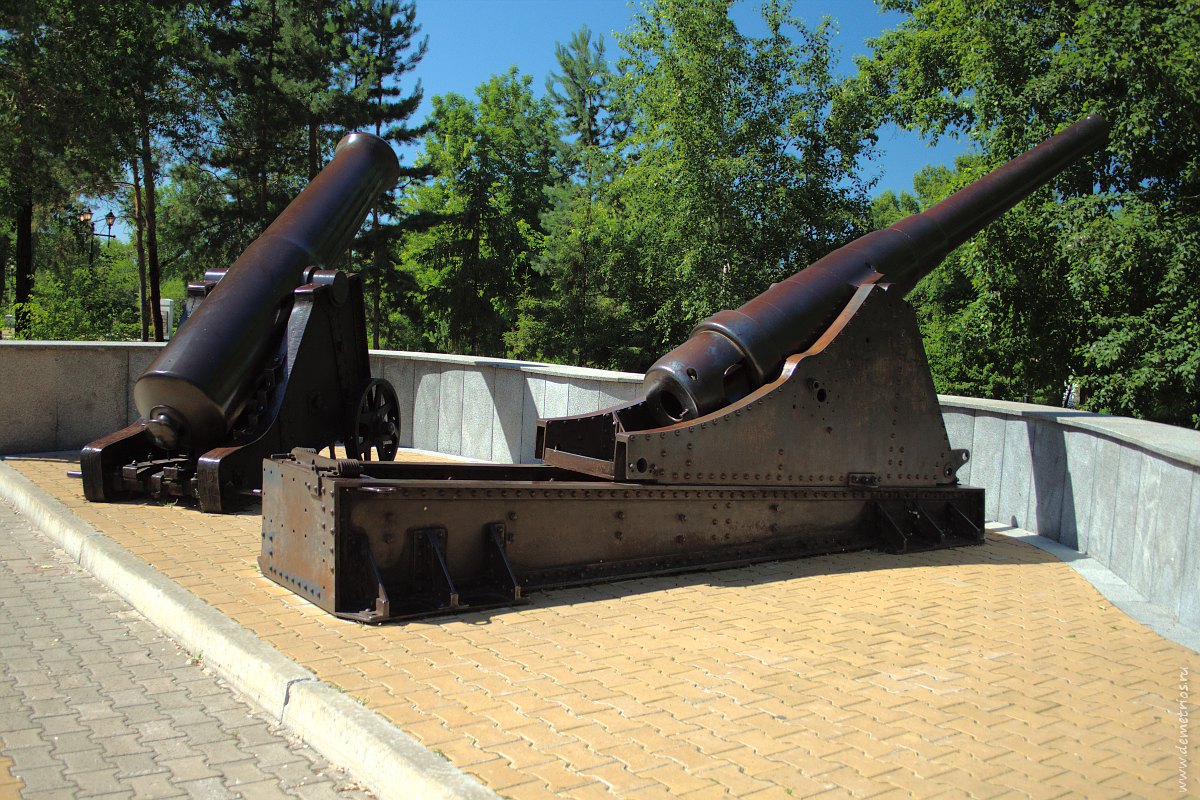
<point>845,450</point>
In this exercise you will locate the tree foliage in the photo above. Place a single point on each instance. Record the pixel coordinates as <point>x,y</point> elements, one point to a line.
<point>86,292</point>
<point>741,161</point>
<point>578,312</point>
<point>493,157</point>
<point>1089,283</point>
<point>236,105</point>
<point>58,133</point>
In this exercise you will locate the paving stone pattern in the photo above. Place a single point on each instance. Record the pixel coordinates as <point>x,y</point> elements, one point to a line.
<point>96,702</point>
<point>983,672</point>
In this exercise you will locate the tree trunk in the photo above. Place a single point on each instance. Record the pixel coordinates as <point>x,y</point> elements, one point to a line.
<point>139,225</point>
<point>377,264</point>
<point>23,279</point>
<point>313,154</point>
<point>148,178</point>
<point>5,243</point>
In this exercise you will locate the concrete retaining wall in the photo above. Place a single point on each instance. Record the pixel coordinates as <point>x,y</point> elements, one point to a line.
<point>1123,491</point>
<point>62,395</point>
<point>487,407</point>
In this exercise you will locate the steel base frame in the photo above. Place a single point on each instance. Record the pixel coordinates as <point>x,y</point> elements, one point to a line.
<point>377,542</point>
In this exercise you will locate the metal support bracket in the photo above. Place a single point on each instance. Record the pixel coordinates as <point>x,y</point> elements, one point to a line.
<point>498,569</point>
<point>430,568</point>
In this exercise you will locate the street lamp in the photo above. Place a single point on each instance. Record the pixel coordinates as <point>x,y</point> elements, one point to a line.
<point>85,217</point>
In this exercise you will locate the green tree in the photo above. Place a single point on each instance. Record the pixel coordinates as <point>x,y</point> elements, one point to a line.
<point>5,260</point>
<point>1106,259</point>
<point>974,319</point>
<point>257,86</point>
<point>162,118</point>
<point>82,292</point>
<point>382,48</point>
<point>585,92</point>
<point>741,161</point>
<point>59,132</point>
<point>576,313</point>
<point>281,82</point>
<point>494,159</point>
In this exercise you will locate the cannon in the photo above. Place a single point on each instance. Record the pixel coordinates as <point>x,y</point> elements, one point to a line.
<point>803,423</point>
<point>272,356</point>
<point>734,352</point>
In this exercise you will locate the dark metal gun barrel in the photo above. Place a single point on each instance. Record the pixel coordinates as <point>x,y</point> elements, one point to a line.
<point>194,390</point>
<point>732,353</point>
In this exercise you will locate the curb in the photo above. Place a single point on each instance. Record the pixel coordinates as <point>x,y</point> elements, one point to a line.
<point>385,759</point>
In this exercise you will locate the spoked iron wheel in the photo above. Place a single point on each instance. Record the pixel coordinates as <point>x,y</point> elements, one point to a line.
<point>376,424</point>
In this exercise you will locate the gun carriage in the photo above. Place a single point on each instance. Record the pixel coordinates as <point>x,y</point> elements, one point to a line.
<point>804,422</point>
<point>272,356</point>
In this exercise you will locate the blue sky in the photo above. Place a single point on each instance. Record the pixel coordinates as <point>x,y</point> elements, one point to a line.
<point>470,40</point>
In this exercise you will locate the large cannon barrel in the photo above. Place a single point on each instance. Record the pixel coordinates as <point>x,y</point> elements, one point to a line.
<point>193,392</point>
<point>734,352</point>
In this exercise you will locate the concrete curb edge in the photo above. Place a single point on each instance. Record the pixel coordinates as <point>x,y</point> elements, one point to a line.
<point>388,761</point>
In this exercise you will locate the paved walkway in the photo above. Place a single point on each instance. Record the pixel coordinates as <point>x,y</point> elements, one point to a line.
<point>984,672</point>
<point>96,702</point>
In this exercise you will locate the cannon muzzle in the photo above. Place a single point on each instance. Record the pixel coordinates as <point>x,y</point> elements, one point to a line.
<point>192,393</point>
<point>732,353</point>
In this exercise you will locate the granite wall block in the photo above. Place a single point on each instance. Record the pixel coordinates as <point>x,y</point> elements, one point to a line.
<point>987,461</point>
<point>427,403</point>
<point>478,412</point>
<point>508,414</point>
<point>450,413</point>
<point>1015,478</point>
<point>960,428</point>
<point>1076,508</point>
<point>1125,512</point>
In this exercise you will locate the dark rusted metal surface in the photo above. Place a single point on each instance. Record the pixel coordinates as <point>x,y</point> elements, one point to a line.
<point>273,356</point>
<point>734,352</point>
<point>845,451</point>
<point>860,402</point>
<point>395,541</point>
<point>193,392</point>
<point>806,422</point>
<point>375,424</point>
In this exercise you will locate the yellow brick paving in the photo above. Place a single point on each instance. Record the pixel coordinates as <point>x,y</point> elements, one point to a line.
<point>10,785</point>
<point>989,671</point>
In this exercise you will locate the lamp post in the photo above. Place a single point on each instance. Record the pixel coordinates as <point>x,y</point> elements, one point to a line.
<point>85,217</point>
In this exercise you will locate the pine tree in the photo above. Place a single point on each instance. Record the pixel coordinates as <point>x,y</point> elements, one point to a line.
<point>574,313</point>
<point>585,92</point>
<point>56,127</point>
<point>493,159</point>
<point>382,49</point>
